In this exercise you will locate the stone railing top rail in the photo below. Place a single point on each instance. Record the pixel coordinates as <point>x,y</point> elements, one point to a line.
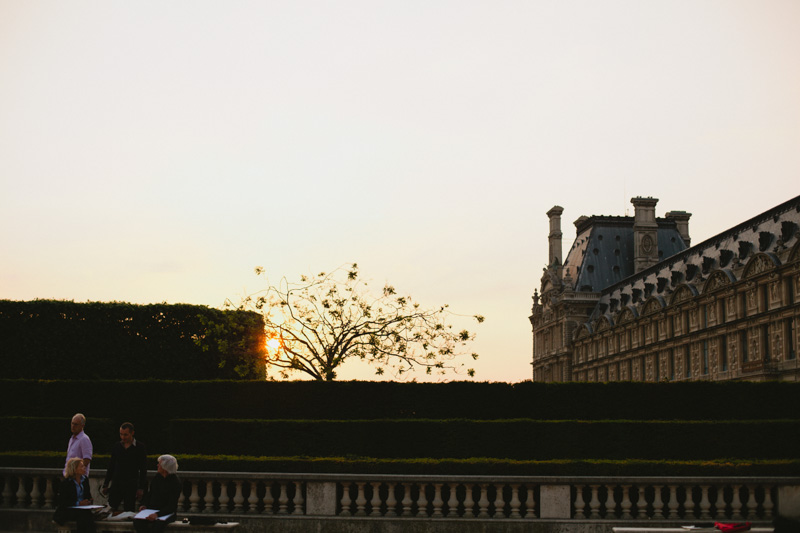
<point>98,473</point>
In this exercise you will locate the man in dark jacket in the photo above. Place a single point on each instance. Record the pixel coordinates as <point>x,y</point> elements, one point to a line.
<point>162,498</point>
<point>127,470</point>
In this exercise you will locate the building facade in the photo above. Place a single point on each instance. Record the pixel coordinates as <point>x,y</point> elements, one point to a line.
<point>633,301</point>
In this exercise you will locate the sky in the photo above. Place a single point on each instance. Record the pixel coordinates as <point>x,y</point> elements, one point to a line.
<point>158,151</point>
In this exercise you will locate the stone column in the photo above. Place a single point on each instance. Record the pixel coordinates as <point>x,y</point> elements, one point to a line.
<point>645,233</point>
<point>554,238</point>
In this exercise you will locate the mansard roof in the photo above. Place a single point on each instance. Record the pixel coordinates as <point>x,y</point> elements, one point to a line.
<point>747,248</point>
<point>602,254</point>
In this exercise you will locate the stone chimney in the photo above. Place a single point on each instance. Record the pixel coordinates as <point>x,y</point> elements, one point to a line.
<point>645,233</point>
<point>681,219</point>
<point>555,235</point>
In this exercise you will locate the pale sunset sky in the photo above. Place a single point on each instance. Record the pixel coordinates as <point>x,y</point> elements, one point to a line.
<point>157,151</point>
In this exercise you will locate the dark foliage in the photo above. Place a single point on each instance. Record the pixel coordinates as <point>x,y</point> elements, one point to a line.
<point>46,339</point>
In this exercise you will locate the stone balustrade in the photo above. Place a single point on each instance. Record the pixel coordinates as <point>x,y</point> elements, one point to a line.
<point>460,497</point>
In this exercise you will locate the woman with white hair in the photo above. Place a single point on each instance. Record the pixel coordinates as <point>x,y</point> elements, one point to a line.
<point>165,489</point>
<point>74,491</point>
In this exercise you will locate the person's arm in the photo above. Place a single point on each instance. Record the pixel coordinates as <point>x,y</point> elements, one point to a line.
<point>87,450</point>
<point>145,499</point>
<point>112,464</point>
<point>142,467</point>
<point>87,492</point>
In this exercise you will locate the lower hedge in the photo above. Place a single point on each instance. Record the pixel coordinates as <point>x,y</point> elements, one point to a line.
<point>439,439</point>
<point>507,439</point>
<point>427,466</point>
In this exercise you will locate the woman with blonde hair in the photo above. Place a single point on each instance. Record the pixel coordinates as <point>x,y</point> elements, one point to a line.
<point>72,492</point>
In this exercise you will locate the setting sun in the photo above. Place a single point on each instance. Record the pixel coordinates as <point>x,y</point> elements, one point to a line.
<point>274,344</point>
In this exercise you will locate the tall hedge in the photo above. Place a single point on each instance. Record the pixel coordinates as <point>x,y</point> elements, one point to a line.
<point>364,400</point>
<point>438,439</point>
<point>47,339</point>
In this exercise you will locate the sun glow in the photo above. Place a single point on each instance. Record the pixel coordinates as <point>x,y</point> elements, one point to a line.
<point>274,344</point>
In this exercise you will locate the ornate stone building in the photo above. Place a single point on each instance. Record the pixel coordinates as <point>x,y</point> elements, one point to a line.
<point>634,302</point>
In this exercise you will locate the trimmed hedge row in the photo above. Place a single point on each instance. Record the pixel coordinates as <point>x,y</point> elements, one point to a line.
<point>50,434</point>
<point>48,339</point>
<point>436,439</point>
<point>506,439</point>
<point>474,466</point>
<point>141,401</point>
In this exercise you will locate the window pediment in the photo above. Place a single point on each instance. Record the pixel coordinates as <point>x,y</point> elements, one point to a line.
<point>682,293</point>
<point>628,314</point>
<point>718,279</point>
<point>759,263</point>
<point>653,305</point>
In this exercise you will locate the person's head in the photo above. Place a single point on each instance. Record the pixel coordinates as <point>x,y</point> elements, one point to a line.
<point>77,424</point>
<point>167,464</point>
<point>126,433</point>
<point>75,467</point>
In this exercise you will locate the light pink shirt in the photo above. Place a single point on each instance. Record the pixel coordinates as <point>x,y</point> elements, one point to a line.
<point>79,446</point>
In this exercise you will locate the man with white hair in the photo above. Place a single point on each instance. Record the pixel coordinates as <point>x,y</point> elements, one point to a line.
<point>162,498</point>
<point>79,444</point>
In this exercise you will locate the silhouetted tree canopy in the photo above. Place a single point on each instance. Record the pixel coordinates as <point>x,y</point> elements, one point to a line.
<point>315,325</point>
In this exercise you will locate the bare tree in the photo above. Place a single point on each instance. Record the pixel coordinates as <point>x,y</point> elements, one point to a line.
<point>314,326</point>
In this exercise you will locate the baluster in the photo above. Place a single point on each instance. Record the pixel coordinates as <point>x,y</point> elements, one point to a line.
<point>579,504</point>
<point>375,501</point>
<point>514,504</point>
<point>705,504</point>
<point>49,494</point>
<point>283,498</point>
<point>594,503</point>
<point>437,500</point>
<point>641,502</point>
<point>346,501</point>
<point>182,496</point>
<point>269,501</point>
<point>469,501</point>
<point>194,497</point>
<point>768,503</point>
<point>752,504</point>
<point>238,498</point>
<point>720,504</point>
<point>406,499</point>
<point>626,502</point>
<point>298,499</point>
<point>3,500</point>
<point>689,505</point>
<point>483,502</point>
<point>22,493</point>
<point>452,501</point>
<point>531,503</point>
<point>391,499</point>
<point>36,494</point>
<point>209,498</point>
<point>252,499</point>
<point>361,500</point>
<point>610,503</point>
<point>736,502</point>
<point>7,491</point>
<point>422,500</point>
<point>658,502</point>
<point>499,502</point>
<point>673,502</point>
<point>224,496</point>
